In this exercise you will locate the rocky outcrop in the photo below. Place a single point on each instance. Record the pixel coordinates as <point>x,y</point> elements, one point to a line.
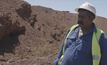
<point>24,10</point>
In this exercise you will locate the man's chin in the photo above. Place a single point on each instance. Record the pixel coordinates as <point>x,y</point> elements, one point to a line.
<point>80,25</point>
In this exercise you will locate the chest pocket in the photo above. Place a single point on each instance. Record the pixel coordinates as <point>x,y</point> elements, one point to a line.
<point>73,50</point>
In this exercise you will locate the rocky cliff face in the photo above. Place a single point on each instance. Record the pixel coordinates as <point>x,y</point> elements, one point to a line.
<point>32,35</point>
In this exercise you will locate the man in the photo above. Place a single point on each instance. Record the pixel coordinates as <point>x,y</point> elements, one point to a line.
<point>84,44</point>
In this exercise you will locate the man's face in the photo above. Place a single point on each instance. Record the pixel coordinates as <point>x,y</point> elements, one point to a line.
<point>84,19</point>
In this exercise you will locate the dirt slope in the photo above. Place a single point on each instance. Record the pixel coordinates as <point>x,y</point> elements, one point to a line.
<point>32,35</point>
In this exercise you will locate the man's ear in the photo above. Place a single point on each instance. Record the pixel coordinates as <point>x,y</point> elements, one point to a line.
<point>92,16</point>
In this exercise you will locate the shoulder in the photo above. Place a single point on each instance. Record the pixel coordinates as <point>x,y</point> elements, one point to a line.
<point>72,29</point>
<point>103,40</point>
<point>103,37</point>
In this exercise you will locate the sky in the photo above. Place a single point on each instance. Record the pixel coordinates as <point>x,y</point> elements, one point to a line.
<point>70,5</point>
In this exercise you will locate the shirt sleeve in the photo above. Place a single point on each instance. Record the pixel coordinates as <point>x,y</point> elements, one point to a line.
<point>61,51</point>
<point>103,45</point>
<point>58,56</point>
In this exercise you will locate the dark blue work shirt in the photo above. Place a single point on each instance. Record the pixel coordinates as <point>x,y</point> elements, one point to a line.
<point>78,51</point>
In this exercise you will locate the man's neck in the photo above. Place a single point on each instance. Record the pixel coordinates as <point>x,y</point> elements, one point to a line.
<point>86,29</point>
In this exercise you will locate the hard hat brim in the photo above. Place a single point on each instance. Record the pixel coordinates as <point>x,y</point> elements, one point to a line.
<point>84,9</point>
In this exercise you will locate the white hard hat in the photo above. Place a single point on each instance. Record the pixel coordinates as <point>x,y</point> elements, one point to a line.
<point>87,6</point>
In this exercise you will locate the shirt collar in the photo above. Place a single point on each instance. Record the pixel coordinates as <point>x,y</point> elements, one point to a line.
<point>93,29</point>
